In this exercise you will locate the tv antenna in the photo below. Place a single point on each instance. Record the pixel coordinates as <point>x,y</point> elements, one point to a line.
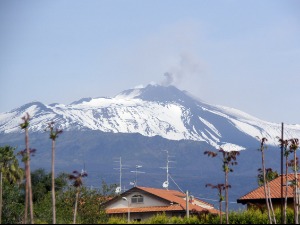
<point>166,183</point>
<point>136,174</point>
<point>121,167</point>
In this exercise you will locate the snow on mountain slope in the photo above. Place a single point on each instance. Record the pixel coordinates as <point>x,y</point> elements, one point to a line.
<point>150,111</point>
<point>259,128</point>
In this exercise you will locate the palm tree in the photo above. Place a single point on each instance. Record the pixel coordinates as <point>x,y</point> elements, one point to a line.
<point>220,187</point>
<point>262,149</point>
<point>26,159</point>
<point>76,177</point>
<point>294,145</point>
<point>229,159</point>
<point>269,176</point>
<point>292,164</point>
<point>53,135</point>
<point>9,170</point>
<point>284,144</point>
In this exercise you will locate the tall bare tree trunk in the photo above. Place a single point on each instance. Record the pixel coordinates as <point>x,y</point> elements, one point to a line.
<point>26,194</point>
<point>226,197</point>
<point>286,189</point>
<point>271,204</point>
<point>296,189</point>
<point>53,183</point>
<point>75,210</point>
<point>265,186</point>
<point>1,195</point>
<point>29,175</point>
<point>295,203</point>
<point>220,207</point>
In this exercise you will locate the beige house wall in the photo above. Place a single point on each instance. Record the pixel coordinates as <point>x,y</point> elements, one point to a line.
<point>148,202</point>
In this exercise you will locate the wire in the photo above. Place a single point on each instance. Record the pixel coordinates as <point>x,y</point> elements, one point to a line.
<point>176,183</point>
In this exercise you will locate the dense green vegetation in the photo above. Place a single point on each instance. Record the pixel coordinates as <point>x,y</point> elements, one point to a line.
<point>240,217</point>
<point>89,206</point>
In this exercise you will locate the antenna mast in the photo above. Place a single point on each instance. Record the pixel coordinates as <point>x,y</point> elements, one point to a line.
<point>136,173</point>
<point>119,189</point>
<point>120,173</point>
<point>168,167</point>
<point>166,183</point>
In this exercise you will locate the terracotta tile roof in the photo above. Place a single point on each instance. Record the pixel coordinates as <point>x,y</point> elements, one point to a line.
<point>275,185</point>
<point>169,195</point>
<point>146,209</point>
<point>178,197</point>
<point>175,197</point>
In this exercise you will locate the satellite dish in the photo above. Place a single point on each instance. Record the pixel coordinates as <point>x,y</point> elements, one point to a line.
<point>166,184</point>
<point>118,190</point>
<point>132,183</point>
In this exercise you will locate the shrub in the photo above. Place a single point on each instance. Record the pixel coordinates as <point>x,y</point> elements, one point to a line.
<point>191,220</point>
<point>158,219</point>
<point>116,220</point>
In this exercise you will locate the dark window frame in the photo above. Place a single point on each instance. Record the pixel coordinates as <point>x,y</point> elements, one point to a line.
<point>137,199</point>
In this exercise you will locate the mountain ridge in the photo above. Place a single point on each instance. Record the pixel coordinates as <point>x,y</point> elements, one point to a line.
<point>153,110</point>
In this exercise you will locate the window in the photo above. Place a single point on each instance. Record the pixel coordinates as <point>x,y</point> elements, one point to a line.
<point>137,199</point>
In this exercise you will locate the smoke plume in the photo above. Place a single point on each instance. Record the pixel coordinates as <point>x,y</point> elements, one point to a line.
<point>187,68</point>
<point>169,79</point>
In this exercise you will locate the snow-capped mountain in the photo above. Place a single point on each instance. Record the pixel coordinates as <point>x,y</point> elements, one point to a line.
<point>150,111</point>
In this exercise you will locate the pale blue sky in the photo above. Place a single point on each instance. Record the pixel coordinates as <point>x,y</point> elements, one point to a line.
<point>241,54</point>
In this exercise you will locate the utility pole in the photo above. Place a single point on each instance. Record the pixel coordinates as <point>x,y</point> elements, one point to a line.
<point>187,205</point>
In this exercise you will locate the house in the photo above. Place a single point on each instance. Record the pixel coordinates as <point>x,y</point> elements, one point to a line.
<point>141,203</point>
<point>256,198</point>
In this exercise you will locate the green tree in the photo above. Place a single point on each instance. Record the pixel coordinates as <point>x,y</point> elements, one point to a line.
<point>90,210</point>
<point>42,187</point>
<point>108,191</point>
<point>53,135</point>
<point>42,183</point>
<point>13,204</point>
<point>90,206</point>
<point>9,171</point>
